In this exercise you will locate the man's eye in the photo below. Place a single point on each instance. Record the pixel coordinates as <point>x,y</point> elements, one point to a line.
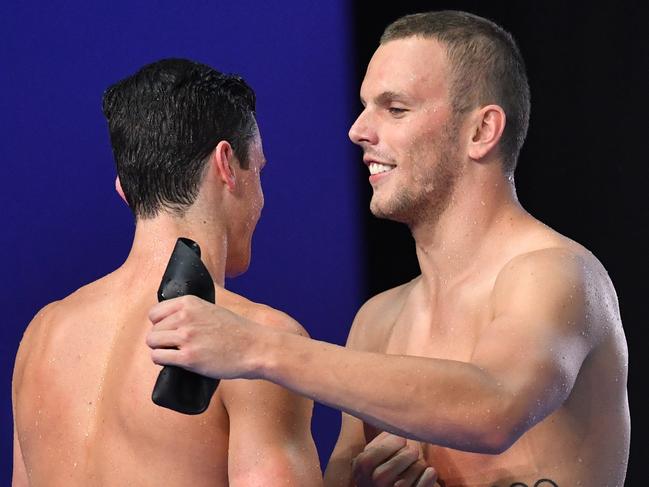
<point>397,110</point>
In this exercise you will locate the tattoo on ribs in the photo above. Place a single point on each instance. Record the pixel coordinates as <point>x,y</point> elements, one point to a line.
<point>538,483</point>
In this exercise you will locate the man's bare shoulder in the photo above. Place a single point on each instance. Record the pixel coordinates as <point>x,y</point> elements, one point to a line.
<point>385,301</point>
<point>376,316</point>
<point>276,400</point>
<point>31,338</point>
<point>81,301</point>
<point>63,317</point>
<point>44,317</point>
<point>260,313</point>
<point>567,274</point>
<point>559,257</point>
<point>542,250</point>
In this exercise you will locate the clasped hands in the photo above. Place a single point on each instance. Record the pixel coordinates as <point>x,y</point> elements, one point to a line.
<point>391,461</point>
<point>191,333</point>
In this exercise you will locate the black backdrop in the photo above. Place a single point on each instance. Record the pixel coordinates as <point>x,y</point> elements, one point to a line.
<point>583,169</point>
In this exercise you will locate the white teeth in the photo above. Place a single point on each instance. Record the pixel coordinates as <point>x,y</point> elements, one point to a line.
<point>376,168</point>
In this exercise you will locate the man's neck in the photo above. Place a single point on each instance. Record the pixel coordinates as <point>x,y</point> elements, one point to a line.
<point>449,248</point>
<point>155,239</point>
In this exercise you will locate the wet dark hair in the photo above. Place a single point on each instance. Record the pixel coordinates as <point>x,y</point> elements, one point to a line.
<point>486,67</point>
<point>165,120</point>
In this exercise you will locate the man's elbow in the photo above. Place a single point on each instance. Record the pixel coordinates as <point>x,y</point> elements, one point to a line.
<point>490,429</point>
<point>494,442</point>
<point>497,432</point>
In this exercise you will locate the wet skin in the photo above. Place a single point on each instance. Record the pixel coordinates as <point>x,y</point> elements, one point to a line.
<point>84,416</point>
<point>527,385</point>
<point>583,442</point>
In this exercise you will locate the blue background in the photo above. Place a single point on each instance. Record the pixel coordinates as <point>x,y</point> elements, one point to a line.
<point>64,226</point>
<point>317,253</point>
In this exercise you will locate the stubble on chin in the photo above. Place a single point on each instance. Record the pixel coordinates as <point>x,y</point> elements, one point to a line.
<point>429,190</point>
<point>423,199</point>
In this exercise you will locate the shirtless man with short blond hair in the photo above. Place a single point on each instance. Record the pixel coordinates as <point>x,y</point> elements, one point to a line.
<point>189,157</point>
<point>505,362</point>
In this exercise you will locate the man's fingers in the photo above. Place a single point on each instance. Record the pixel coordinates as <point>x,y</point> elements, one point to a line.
<point>381,448</point>
<point>409,477</point>
<point>163,339</point>
<point>166,356</point>
<point>164,309</point>
<point>428,478</point>
<point>389,471</point>
<point>387,441</point>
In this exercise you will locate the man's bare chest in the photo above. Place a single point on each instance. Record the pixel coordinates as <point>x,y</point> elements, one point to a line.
<point>447,327</point>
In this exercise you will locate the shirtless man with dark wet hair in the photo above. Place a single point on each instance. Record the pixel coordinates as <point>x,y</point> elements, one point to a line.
<point>189,156</point>
<point>505,362</point>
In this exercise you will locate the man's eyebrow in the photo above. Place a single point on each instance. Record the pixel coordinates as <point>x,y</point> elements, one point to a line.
<point>389,96</point>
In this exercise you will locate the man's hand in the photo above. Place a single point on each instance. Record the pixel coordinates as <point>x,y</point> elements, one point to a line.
<point>204,338</point>
<point>388,461</point>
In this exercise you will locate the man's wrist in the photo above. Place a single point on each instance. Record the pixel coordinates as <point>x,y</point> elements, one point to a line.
<point>265,352</point>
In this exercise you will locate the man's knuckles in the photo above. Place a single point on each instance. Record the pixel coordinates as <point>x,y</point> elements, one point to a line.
<point>389,469</point>
<point>185,335</point>
<point>412,474</point>
<point>187,357</point>
<point>363,465</point>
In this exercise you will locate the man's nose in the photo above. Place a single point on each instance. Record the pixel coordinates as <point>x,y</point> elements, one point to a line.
<point>362,130</point>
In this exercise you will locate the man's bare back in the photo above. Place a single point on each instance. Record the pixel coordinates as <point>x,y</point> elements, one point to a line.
<point>585,441</point>
<point>83,383</point>
<point>83,378</point>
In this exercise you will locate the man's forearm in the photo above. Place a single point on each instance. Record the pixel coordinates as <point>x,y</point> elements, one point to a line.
<point>449,403</point>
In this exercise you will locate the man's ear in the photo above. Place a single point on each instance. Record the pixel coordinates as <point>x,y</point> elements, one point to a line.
<point>489,124</point>
<point>223,160</point>
<point>120,191</point>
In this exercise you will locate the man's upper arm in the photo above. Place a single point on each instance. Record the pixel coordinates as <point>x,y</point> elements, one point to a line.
<point>540,334</point>
<point>351,439</point>
<point>270,434</point>
<point>19,476</point>
<point>351,442</point>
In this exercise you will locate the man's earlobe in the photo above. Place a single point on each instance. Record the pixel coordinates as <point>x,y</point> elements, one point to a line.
<point>223,159</point>
<point>489,127</point>
<point>120,191</point>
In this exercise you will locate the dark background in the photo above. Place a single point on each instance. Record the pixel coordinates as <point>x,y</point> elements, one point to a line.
<point>584,167</point>
<point>317,252</point>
